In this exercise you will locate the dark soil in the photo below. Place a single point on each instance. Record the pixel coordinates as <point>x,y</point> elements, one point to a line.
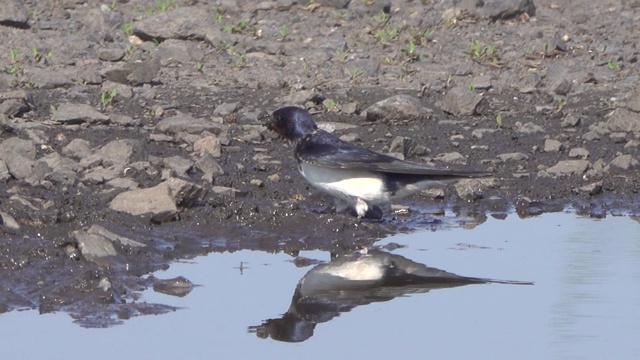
<point>555,85</point>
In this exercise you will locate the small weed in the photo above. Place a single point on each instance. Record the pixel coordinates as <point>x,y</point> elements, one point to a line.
<point>164,5</point>
<point>305,69</point>
<point>343,55</point>
<point>381,36</point>
<point>613,66</point>
<point>561,104</point>
<point>107,97</point>
<point>36,54</point>
<point>353,73</point>
<point>608,103</point>
<point>388,60</point>
<point>200,67</point>
<point>128,51</point>
<point>482,52</point>
<point>14,68</point>
<point>410,51</point>
<point>284,32</point>
<point>381,18</point>
<point>421,37</point>
<point>240,61</point>
<point>127,28</point>
<point>470,87</point>
<point>499,119</point>
<point>52,109</point>
<point>340,14</point>
<point>330,104</point>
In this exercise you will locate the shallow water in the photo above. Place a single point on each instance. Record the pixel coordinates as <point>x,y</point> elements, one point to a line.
<point>585,303</point>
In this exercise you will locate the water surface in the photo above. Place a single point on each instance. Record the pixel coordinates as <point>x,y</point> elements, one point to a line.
<point>585,303</point>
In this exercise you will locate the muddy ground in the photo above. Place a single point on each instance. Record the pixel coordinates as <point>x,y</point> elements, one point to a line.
<point>132,131</point>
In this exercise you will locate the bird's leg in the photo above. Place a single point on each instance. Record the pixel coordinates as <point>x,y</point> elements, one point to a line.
<point>366,211</point>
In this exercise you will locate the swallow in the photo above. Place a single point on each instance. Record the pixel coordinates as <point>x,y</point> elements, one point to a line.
<point>358,178</point>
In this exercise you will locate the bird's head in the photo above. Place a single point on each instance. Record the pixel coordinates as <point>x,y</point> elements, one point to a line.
<point>292,122</point>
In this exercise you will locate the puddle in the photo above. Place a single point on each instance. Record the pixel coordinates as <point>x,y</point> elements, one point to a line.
<point>585,303</point>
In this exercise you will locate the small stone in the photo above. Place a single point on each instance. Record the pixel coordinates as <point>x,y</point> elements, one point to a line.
<point>451,158</point>
<point>208,145</point>
<point>624,162</point>
<point>592,189</point>
<point>551,145</point>
<point>256,182</point>
<point>580,153</point>
<point>568,167</point>
<point>398,107</point>
<point>274,178</point>
<point>460,101</point>
<point>517,156</point>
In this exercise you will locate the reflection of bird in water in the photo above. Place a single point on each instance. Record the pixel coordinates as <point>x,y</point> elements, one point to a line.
<point>350,281</point>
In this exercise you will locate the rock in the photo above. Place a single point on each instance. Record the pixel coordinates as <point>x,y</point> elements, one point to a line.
<point>551,145</point>
<point>303,96</point>
<point>155,200</point>
<point>55,168</point>
<point>500,9</point>
<point>224,190</point>
<point>624,162</point>
<point>592,189</point>
<point>580,153</point>
<point>516,156</point>
<point>178,286</point>
<point>569,167</point>
<point>179,165</point>
<point>69,114</point>
<point>633,102</point>
<point>435,193</point>
<point>77,149</point>
<point>529,128</point>
<point>185,123</point>
<point>460,101</point>
<point>101,231</point>
<point>111,54</point>
<point>208,165</point>
<point>208,145</point>
<point>135,73</point>
<point>18,156</point>
<point>472,189</point>
<point>451,158</point>
<point>226,109</point>
<point>121,152</point>
<point>402,145</point>
<point>561,86</point>
<point>14,107</point>
<point>47,79</point>
<point>4,171</point>
<point>99,175</point>
<point>479,133</point>
<point>9,224</point>
<point>188,23</point>
<point>526,207</point>
<point>162,199</point>
<point>399,107</point>
<point>623,120</point>
<point>122,183</point>
<point>124,120</point>
<point>14,14</point>
<point>93,246</point>
<point>570,121</point>
<point>256,183</point>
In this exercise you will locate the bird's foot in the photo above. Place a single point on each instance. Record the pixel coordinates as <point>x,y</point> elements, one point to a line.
<point>366,211</point>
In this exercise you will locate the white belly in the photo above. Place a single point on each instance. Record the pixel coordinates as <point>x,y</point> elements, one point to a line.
<point>346,184</point>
